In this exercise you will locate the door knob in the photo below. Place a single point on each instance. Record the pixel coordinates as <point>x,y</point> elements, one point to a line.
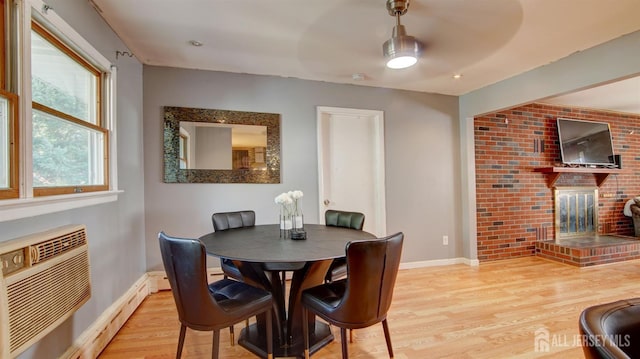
<point>326,202</point>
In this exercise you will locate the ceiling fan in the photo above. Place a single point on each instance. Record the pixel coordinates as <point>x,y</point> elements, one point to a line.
<point>401,50</point>
<point>447,33</point>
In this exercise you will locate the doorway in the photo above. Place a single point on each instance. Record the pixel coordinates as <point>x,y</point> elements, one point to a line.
<point>351,164</point>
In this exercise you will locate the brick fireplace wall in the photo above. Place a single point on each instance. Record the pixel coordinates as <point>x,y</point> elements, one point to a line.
<point>514,205</point>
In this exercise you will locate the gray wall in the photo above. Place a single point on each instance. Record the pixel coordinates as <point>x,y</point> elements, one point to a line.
<point>422,194</point>
<point>115,230</point>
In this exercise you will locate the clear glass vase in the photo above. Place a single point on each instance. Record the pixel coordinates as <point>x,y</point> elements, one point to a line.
<point>297,221</point>
<point>286,224</point>
<point>297,218</point>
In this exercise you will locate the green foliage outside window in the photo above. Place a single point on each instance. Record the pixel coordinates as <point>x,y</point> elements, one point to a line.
<point>61,149</point>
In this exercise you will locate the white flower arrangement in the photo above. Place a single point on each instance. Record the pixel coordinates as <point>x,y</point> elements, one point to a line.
<point>289,200</point>
<point>284,199</point>
<point>290,212</point>
<point>297,194</point>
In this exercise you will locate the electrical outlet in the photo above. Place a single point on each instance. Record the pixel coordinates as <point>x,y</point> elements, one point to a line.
<point>445,240</point>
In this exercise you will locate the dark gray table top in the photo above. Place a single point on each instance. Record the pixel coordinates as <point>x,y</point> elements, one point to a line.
<point>263,243</point>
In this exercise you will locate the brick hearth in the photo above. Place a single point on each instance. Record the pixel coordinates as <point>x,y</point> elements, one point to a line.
<point>590,251</point>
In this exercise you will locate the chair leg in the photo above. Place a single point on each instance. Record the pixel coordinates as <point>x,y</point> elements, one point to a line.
<point>269,335</point>
<point>343,338</point>
<point>232,336</point>
<point>216,344</point>
<point>385,327</point>
<point>305,332</point>
<point>183,330</point>
<point>350,335</point>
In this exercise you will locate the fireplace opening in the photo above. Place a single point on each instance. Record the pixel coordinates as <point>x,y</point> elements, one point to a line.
<point>576,210</point>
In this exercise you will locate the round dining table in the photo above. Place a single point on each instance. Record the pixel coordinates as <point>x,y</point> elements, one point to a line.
<point>261,253</point>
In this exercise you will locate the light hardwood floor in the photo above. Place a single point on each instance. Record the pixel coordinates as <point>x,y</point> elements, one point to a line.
<point>457,311</point>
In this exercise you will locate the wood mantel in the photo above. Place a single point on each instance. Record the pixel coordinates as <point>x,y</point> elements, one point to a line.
<point>601,174</point>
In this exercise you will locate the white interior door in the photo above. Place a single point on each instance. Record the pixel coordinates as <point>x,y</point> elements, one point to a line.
<point>351,164</point>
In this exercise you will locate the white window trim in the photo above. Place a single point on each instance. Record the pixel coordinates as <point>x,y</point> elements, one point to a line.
<point>12,209</point>
<point>27,205</point>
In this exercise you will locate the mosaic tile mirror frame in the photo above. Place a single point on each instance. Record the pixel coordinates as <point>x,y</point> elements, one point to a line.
<point>260,164</point>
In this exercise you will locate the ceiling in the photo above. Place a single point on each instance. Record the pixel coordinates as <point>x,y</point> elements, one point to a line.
<point>340,41</point>
<point>620,96</point>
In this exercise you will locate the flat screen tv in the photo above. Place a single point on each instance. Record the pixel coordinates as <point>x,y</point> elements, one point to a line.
<point>585,142</point>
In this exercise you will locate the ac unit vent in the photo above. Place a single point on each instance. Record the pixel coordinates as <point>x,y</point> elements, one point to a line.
<point>47,280</point>
<point>53,247</point>
<point>51,294</point>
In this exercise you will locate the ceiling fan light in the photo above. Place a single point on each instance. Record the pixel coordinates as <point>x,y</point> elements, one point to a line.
<point>401,50</point>
<point>401,62</point>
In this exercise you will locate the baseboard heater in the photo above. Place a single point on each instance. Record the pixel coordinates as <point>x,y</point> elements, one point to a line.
<point>45,278</point>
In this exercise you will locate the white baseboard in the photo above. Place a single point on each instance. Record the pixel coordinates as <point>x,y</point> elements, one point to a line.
<point>158,279</point>
<point>440,262</point>
<point>93,340</point>
<point>471,262</point>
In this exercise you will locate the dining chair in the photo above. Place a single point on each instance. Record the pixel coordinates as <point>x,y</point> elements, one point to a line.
<point>223,221</point>
<point>209,307</point>
<point>335,218</point>
<point>364,297</point>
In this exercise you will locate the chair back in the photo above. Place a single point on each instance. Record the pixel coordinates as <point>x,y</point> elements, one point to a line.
<point>609,330</point>
<point>372,268</point>
<point>230,220</point>
<point>185,264</point>
<point>353,220</point>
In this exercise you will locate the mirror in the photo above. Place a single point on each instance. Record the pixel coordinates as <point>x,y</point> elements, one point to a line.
<point>221,146</point>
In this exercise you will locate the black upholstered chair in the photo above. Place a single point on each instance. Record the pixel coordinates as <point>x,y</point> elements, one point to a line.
<point>223,221</point>
<point>611,330</point>
<point>208,307</point>
<point>230,220</point>
<point>364,297</point>
<point>353,220</point>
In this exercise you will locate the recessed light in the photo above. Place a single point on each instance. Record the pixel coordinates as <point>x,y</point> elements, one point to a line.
<point>195,43</point>
<point>457,76</point>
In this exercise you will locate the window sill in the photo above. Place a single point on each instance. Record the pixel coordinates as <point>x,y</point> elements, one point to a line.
<point>13,209</point>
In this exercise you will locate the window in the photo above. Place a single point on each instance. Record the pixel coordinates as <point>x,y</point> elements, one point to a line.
<point>8,119</point>
<point>56,115</point>
<point>9,145</point>
<point>182,153</point>
<point>69,144</point>
<point>5,138</point>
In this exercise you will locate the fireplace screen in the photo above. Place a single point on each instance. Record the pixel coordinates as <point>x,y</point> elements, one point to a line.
<point>576,211</point>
